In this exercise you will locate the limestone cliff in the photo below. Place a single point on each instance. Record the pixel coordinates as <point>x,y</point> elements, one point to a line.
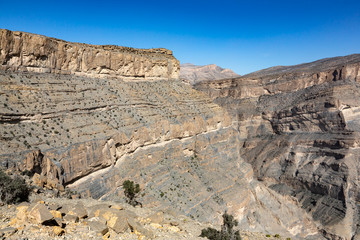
<point>28,52</point>
<point>91,132</point>
<point>300,131</point>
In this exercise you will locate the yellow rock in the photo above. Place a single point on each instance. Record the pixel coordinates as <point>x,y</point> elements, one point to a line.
<point>37,180</point>
<point>97,213</point>
<point>156,225</point>
<point>108,215</point>
<point>106,236</point>
<point>140,237</point>
<point>41,202</point>
<point>22,208</point>
<point>21,228</point>
<point>174,229</point>
<point>13,222</point>
<point>58,231</point>
<point>22,213</point>
<point>118,207</point>
<point>34,229</point>
<point>56,214</point>
<point>111,221</point>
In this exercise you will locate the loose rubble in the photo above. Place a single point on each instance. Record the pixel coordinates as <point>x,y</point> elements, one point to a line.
<point>47,216</point>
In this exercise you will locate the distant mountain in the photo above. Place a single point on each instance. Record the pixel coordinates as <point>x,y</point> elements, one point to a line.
<point>194,74</point>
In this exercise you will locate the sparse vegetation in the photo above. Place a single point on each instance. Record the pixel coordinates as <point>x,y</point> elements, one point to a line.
<point>131,191</point>
<point>227,232</point>
<point>70,193</point>
<point>13,190</point>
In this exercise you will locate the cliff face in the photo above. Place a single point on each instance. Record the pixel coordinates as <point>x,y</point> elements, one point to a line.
<point>28,52</point>
<point>92,133</point>
<point>300,131</point>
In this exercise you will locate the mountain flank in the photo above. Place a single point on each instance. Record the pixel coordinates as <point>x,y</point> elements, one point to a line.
<point>299,128</point>
<point>193,74</point>
<point>87,118</point>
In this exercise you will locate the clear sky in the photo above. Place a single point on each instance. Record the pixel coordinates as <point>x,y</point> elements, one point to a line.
<point>242,35</point>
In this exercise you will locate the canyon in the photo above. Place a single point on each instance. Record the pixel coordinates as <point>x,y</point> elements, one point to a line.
<point>276,148</point>
<point>299,130</point>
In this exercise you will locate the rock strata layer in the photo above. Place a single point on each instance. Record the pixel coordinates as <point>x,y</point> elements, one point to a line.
<point>299,128</point>
<point>28,52</point>
<point>92,133</point>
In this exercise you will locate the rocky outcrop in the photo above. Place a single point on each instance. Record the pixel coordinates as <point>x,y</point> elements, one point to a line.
<point>299,128</point>
<point>103,220</point>
<point>90,134</point>
<point>193,74</point>
<point>28,52</point>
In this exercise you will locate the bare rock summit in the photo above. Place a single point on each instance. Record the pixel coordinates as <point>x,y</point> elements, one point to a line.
<point>193,74</point>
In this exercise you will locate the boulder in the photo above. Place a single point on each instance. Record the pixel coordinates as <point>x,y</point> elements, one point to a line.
<point>58,231</point>
<point>138,229</point>
<point>157,217</point>
<point>118,222</point>
<point>98,226</point>
<point>41,215</point>
<point>94,211</point>
<point>71,218</point>
<point>79,210</point>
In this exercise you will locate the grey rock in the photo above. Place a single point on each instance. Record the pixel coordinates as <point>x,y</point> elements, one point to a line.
<point>71,218</point>
<point>299,128</point>
<point>137,227</point>
<point>41,215</point>
<point>98,226</point>
<point>8,231</point>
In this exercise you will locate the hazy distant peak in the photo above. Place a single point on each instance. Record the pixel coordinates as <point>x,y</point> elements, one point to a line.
<point>195,73</point>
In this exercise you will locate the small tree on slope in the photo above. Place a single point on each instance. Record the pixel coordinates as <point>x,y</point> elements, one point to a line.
<point>227,232</point>
<point>131,191</point>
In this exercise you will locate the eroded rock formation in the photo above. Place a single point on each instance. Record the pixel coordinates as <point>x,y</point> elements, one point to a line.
<point>28,52</point>
<point>91,134</point>
<point>299,127</point>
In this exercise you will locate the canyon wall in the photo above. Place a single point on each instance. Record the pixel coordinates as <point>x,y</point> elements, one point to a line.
<point>90,132</point>
<point>299,128</point>
<point>28,52</point>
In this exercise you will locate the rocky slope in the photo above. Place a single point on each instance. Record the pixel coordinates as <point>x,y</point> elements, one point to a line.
<point>299,129</point>
<point>193,74</point>
<point>90,132</point>
<point>48,216</point>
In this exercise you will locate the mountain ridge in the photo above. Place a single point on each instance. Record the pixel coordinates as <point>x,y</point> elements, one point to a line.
<point>194,73</point>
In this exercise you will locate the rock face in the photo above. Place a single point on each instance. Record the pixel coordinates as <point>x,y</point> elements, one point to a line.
<point>92,133</point>
<point>299,127</point>
<point>28,52</point>
<point>194,74</point>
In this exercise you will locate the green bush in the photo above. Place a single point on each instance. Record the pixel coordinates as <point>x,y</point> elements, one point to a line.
<point>13,190</point>
<point>131,191</point>
<point>227,232</point>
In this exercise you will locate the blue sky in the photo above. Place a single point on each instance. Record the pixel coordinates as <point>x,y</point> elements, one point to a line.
<point>242,35</point>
